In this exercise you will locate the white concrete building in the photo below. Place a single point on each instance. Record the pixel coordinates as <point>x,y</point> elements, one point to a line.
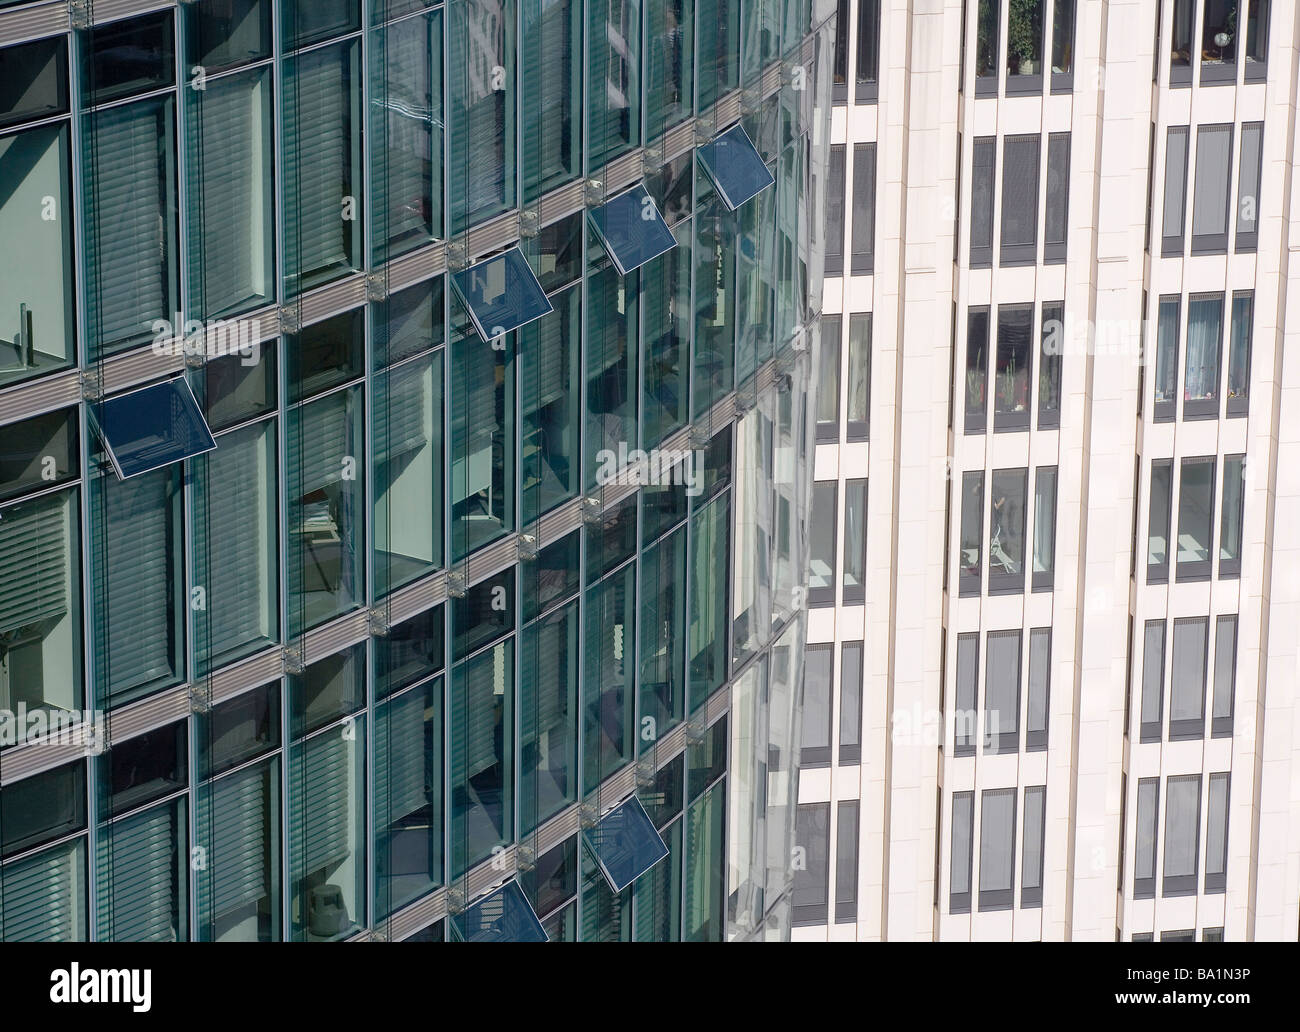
<point>1088,554</point>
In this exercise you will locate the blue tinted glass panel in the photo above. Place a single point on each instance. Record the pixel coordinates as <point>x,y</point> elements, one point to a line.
<point>504,916</point>
<point>735,167</point>
<point>626,844</point>
<point>501,294</point>
<point>632,229</point>
<point>153,427</point>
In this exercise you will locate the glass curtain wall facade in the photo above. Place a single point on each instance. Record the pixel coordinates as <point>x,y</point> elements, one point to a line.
<point>384,512</point>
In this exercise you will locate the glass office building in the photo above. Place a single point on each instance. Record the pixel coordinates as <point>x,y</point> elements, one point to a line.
<point>405,465</point>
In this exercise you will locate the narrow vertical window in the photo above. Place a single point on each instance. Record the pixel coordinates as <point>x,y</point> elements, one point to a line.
<point>1182,835</point>
<point>1204,346</point>
<point>1158,520</point>
<point>1057,214</point>
<point>1195,518</point>
<point>855,540</point>
<point>1015,357</point>
<point>964,712</point>
<point>997,849</point>
<point>1051,348</point>
<point>1040,687</point>
<point>1243,305</point>
<point>960,854</point>
<point>835,212</point>
<point>972,525</point>
<point>1025,47</point>
<point>846,863</point>
<point>986,48</point>
<point>1212,189</point>
<point>977,370</point>
<point>1175,204</point>
<point>1216,834</point>
<point>1166,378</point>
<point>1031,865</point>
<point>840,66</point>
<point>1248,183</point>
<point>819,678</point>
<point>983,168</point>
<point>1007,531</point>
<point>864,209</point>
<point>1063,46</point>
<point>1153,681</point>
<point>813,840</point>
<point>1002,692</point>
<point>1234,501</point>
<point>1019,240</point>
<point>1144,860</point>
<point>1225,676</point>
<point>1180,43</point>
<point>1256,55</point>
<point>851,702</point>
<point>1219,38</point>
<point>1044,528</point>
<point>821,534</point>
<point>868,64</point>
<point>828,385</point>
<point>858,414</point>
<point>1187,680</point>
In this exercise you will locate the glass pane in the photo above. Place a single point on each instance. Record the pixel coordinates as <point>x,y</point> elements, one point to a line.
<point>1002,692</point>
<point>135,55</point>
<point>997,848</point>
<point>408,796</point>
<point>1248,177</point>
<point>326,511</point>
<point>409,323</point>
<point>718,50</point>
<point>1175,202</point>
<point>859,388</point>
<point>406,158</point>
<point>609,707</point>
<point>705,890</point>
<point>986,42</point>
<point>238,893</point>
<point>236,546</point>
<point>1195,512</point>
<point>631,229</point>
<point>1007,530</point>
<point>1182,835</point>
<point>625,844</point>
<point>663,634</point>
<point>1153,680</point>
<point>972,524</point>
<point>548,716</point>
<point>1239,353</point>
<point>1234,500</point>
<point>1225,675</point>
<point>1166,378</point>
<point>850,701</point>
<point>501,294</point>
<point>1062,37</point>
<point>977,369</point>
<point>233,732</point>
<point>1162,489</point>
<point>828,379</point>
<point>1187,682</point>
<point>735,167</point>
<point>40,611</point>
<point>228,32</point>
<point>666,283</point>
<point>1014,364</point>
<point>1144,864</point>
<point>855,539</point>
<point>716,239</point>
<point>322,165</point>
<point>1024,40</point>
<point>710,549</point>
<point>868,56</point>
<point>1052,347</point>
<point>143,877</point>
<point>131,253</point>
<point>504,916</point>
<point>33,81</point>
<point>39,452</point>
<point>613,79</point>
<point>1180,72</point>
<point>237,388</point>
<point>1044,526</point>
<point>864,208</point>
<point>410,652</point>
<point>1019,199</point>
<point>1213,183</point>
<point>552,93</point>
<point>139,583</point>
<point>482,755</point>
<point>328,689</point>
<point>408,464</point>
<point>37,317</point>
<point>818,691</point>
<point>983,169</point>
<point>821,540</point>
<point>669,70</point>
<point>961,856</point>
<point>1219,40</point>
<point>327,833</point>
<point>152,427</point>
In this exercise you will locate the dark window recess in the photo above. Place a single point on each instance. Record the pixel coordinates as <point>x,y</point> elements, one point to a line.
<point>1175,195</point>
<point>1239,340</point>
<point>971,550</point>
<point>1040,689</point>
<point>961,855</point>
<point>1225,676</point>
<point>33,81</point>
<point>1248,186</point>
<point>997,849</point>
<point>1165,381</point>
<point>977,370</point>
<point>1144,858</point>
<point>812,863</point>
<point>965,714</point>
<point>846,862</point>
<point>1051,350</point>
<point>840,65</point>
<point>1002,692</point>
<point>868,63</point>
<point>1159,520</point>
<point>1015,363</point>
<point>146,768</point>
<point>42,808</point>
<point>1153,681</point>
<point>129,57</point>
<point>1007,531</point>
<point>29,447</point>
<point>835,211</point>
<point>1212,189</point>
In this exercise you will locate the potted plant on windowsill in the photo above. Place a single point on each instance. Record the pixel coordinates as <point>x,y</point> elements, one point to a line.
<point>1021,43</point>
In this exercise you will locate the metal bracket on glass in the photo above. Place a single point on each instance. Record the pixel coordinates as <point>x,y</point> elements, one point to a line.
<point>751,100</point>
<point>699,435</point>
<point>195,349</point>
<point>376,934</point>
<point>526,547</point>
<point>456,586</point>
<point>80,15</point>
<point>377,286</point>
<point>705,130</point>
<point>645,772</point>
<point>378,622</point>
<point>525,857</point>
<point>293,660</point>
<point>200,700</point>
<point>653,159</point>
<point>594,193</point>
<point>530,223</point>
<point>696,732</point>
<point>289,321</point>
<point>588,815</point>
<point>746,397</point>
<point>593,511</point>
<point>455,900</point>
<point>458,254</point>
<point>95,737</point>
<point>92,385</point>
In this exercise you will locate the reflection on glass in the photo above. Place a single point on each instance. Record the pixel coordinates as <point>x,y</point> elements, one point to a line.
<point>1062,37</point>
<point>223,33</point>
<point>609,710</point>
<point>549,387</point>
<point>37,320</point>
<point>977,369</point>
<point>1195,512</point>
<point>986,46</point>
<point>1158,515</point>
<point>1219,40</point>
<point>482,755</point>
<point>970,561</point>
<point>143,874</point>
<point>1044,527</point>
<point>1166,378</point>
<point>1201,376</point>
<point>1024,43</point>
<point>552,93</point>
<point>238,893</point>
<point>1052,347</point>
<point>1243,304</point>
<point>548,716</point>
<point>1007,530</point>
<point>1014,363</point>
<point>663,635</point>
<point>482,422</point>
<point>327,833</point>
<point>670,35</point>
<point>1234,500</point>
